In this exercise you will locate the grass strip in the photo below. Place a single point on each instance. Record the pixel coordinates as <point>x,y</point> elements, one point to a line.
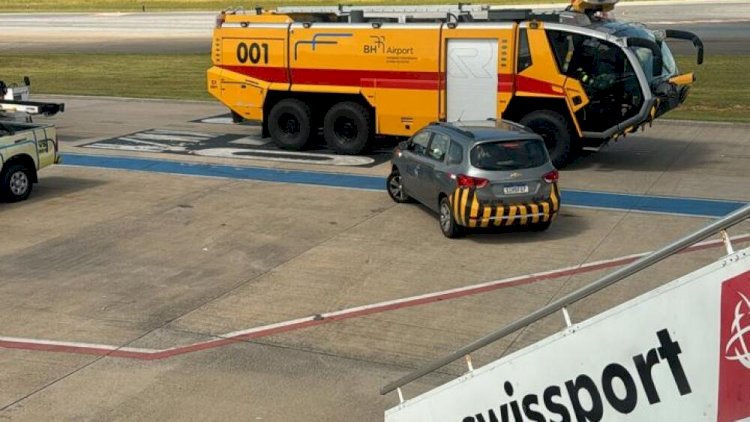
<point>206,5</point>
<point>173,76</point>
<point>716,95</point>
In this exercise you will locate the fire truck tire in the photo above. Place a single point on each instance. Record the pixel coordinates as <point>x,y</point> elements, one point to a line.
<point>346,128</point>
<point>289,124</point>
<point>553,128</point>
<point>16,182</point>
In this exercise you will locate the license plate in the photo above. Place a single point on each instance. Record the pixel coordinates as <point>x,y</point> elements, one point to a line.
<point>510,190</point>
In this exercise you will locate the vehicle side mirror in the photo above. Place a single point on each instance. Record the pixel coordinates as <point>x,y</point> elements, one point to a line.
<point>404,146</point>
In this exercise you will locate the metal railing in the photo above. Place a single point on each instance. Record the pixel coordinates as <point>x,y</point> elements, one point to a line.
<point>561,304</point>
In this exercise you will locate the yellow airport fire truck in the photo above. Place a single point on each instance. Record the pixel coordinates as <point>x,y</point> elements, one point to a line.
<point>576,77</point>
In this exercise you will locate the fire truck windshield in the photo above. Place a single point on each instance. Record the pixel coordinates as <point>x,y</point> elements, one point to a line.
<point>646,59</point>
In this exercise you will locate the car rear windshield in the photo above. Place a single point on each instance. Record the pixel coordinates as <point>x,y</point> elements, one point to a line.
<point>509,155</point>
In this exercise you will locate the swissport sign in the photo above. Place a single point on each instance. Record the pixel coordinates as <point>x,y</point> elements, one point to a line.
<point>677,353</point>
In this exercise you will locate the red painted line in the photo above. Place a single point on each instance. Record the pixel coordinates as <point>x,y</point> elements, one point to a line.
<point>45,346</point>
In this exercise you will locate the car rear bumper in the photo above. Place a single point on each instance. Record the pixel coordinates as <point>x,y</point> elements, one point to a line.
<point>471,212</point>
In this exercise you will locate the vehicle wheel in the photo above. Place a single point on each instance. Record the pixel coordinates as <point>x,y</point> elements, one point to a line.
<point>346,128</point>
<point>289,124</point>
<point>395,187</point>
<point>16,183</point>
<point>553,128</point>
<point>448,224</point>
<point>540,227</point>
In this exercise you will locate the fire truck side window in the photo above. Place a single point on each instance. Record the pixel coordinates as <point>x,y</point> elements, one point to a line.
<point>606,75</point>
<point>524,54</point>
<point>563,47</point>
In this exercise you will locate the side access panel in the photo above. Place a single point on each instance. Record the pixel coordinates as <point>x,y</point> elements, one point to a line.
<point>471,79</point>
<point>248,62</point>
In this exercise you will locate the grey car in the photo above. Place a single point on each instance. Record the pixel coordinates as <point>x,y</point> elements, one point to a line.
<point>477,174</point>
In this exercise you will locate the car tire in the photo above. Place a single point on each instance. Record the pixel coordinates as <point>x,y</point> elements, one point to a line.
<point>395,187</point>
<point>540,227</point>
<point>554,129</point>
<point>447,220</point>
<point>347,128</point>
<point>16,183</point>
<point>289,124</point>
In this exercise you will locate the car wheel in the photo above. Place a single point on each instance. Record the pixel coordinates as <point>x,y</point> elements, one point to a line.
<point>346,128</point>
<point>16,183</point>
<point>448,224</point>
<point>553,128</point>
<point>289,124</point>
<point>395,187</point>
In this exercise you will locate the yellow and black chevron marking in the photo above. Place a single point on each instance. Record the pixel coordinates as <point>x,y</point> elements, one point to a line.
<point>469,212</point>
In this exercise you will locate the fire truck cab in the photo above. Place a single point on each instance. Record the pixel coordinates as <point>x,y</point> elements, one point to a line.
<point>576,77</point>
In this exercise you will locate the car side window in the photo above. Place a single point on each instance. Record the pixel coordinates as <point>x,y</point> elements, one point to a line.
<point>420,142</point>
<point>455,154</point>
<point>439,146</point>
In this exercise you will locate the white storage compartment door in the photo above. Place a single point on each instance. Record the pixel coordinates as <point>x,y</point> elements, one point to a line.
<point>471,71</point>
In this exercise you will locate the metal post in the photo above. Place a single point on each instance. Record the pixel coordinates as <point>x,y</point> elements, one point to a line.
<point>566,315</point>
<point>469,364</point>
<point>727,242</point>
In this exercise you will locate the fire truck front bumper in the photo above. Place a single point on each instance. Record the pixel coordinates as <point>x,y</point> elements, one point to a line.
<point>672,93</point>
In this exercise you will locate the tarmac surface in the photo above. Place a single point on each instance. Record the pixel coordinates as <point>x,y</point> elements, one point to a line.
<point>724,27</point>
<point>137,292</point>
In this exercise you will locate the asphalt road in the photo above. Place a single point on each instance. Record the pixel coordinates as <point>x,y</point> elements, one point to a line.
<point>723,26</point>
<point>143,294</point>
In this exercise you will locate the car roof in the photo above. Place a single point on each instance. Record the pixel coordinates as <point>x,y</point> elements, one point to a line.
<point>487,130</point>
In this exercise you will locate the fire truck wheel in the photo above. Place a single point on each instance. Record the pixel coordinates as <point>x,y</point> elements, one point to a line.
<point>346,128</point>
<point>553,128</point>
<point>289,124</point>
<point>16,183</point>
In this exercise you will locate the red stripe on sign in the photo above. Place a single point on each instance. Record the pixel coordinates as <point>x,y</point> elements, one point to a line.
<point>526,84</point>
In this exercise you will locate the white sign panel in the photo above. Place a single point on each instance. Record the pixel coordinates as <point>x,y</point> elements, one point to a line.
<point>677,353</point>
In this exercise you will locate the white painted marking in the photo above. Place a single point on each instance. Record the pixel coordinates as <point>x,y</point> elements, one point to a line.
<point>168,137</point>
<point>162,147</point>
<point>219,120</point>
<point>285,156</point>
<point>76,344</point>
<point>183,132</point>
<point>249,140</point>
<point>137,148</point>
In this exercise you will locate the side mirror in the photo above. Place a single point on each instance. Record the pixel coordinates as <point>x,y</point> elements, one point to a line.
<point>404,145</point>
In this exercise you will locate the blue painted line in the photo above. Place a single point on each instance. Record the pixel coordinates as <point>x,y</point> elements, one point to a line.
<point>233,172</point>
<point>603,200</point>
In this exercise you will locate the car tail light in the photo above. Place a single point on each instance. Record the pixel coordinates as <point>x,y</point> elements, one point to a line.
<point>552,176</point>
<point>471,182</point>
